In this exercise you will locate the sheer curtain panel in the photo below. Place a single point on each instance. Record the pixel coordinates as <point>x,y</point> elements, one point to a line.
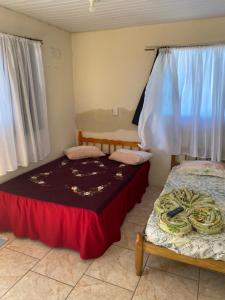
<point>184,106</point>
<point>24,134</point>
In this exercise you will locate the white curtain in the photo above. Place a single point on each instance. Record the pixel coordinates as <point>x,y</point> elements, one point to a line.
<point>24,134</point>
<point>184,106</point>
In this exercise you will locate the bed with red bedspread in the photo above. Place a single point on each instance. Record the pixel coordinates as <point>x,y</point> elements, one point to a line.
<point>77,204</point>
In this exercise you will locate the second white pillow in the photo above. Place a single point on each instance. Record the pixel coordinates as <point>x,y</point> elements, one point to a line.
<point>130,157</point>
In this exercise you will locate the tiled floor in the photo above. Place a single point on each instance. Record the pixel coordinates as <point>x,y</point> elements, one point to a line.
<point>30,270</point>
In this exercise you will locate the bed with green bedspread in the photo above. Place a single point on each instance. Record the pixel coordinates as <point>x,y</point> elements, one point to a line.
<point>191,243</point>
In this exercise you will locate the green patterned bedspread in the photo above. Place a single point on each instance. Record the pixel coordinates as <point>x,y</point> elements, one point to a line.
<point>192,244</point>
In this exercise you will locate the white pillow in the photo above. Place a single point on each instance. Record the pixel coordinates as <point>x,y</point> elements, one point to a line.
<point>202,168</point>
<point>79,152</point>
<point>130,157</point>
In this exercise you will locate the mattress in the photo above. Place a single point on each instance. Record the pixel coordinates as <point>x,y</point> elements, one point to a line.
<point>85,183</point>
<point>193,244</point>
<point>73,204</point>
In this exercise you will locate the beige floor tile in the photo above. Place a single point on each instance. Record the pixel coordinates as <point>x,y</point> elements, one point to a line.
<point>208,297</point>
<point>89,288</point>
<point>158,285</point>
<point>116,266</point>
<point>156,190</point>
<point>147,203</point>
<point>63,265</point>
<point>29,247</point>
<point>138,215</point>
<point>211,286</point>
<point>152,193</point>
<point>37,287</point>
<point>3,241</point>
<point>7,235</point>
<point>173,267</point>
<point>128,235</point>
<point>13,266</point>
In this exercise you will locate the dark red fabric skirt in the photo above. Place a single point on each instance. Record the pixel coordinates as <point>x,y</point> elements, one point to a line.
<point>83,230</point>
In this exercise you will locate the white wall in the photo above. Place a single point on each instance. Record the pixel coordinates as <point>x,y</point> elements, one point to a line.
<point>111,68</point>
<point>57,57</point>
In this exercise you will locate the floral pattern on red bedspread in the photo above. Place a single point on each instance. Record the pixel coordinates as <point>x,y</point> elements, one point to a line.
<point>86,183</point>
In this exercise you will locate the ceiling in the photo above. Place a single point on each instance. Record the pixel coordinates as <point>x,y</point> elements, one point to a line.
<point>74,16</point>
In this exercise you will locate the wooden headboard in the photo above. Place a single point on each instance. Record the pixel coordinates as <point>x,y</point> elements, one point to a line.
<point>175,159</point>
<point>110,144</point>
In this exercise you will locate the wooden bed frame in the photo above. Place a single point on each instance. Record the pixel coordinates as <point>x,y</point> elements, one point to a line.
<point>111,144</point>
<point>143,246</point>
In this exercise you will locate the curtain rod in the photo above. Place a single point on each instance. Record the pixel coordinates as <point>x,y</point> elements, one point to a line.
<point>24,37</point>
<point>154,48</point>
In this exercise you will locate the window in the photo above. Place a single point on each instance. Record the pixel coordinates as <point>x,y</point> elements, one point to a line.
<point>184,106</point>
<point>24,134</point>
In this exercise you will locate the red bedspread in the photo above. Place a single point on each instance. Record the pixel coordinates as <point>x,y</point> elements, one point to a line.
<point>90,229</point>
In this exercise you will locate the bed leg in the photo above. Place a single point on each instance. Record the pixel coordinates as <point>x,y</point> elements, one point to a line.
<point>139,254</point>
